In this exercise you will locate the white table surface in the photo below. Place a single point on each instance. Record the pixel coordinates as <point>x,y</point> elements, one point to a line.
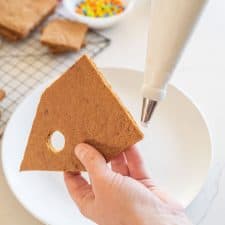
<point>200,74</point>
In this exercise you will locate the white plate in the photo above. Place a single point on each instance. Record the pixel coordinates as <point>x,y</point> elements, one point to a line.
<point>176,149</point>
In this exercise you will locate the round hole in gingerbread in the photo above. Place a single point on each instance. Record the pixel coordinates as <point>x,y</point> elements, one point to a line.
<point>56,141</point>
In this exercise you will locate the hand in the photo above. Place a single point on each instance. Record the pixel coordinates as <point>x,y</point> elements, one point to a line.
<point>124,195</point>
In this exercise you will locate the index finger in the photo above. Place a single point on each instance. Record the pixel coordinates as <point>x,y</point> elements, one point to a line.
<point>136,164</point>
<point>79,189</point>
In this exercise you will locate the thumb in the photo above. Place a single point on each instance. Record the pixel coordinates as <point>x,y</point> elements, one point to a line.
<point>92,160</point>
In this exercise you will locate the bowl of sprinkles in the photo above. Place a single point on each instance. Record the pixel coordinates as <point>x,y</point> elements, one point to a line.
<point>98,14</point>
<point>100,8</point>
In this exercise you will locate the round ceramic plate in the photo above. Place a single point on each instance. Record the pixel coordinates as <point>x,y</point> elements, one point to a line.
<point>176,150</point>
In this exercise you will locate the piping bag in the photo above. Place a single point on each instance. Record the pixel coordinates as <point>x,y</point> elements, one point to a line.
<point>171,23</point>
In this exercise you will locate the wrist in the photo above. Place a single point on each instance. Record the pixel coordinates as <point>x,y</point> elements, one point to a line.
<point>162,218</point>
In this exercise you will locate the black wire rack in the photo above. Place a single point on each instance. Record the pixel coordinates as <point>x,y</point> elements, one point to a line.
<point>26,64</point>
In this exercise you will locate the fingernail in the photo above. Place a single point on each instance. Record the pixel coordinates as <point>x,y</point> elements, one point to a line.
<point>78,151</point>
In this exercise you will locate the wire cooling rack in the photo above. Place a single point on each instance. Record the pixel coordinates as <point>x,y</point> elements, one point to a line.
<point>26,64</point>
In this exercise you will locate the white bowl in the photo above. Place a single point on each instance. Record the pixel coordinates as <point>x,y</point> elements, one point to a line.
<point>97,23</point>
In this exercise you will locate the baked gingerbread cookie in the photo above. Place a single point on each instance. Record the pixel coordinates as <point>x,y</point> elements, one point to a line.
<point>19,17</point>
<point>83,107</point>
<point>2,94</point>
<point>62,35</point>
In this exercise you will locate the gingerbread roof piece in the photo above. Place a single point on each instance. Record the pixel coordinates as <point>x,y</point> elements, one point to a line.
<point>66,35</point>
<point>82,106</point>
<point>19,17</point>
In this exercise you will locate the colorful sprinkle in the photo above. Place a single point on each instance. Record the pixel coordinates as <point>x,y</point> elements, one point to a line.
<point>99,8</point>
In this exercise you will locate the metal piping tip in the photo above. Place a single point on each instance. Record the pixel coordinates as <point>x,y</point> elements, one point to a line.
<point>148,107</point>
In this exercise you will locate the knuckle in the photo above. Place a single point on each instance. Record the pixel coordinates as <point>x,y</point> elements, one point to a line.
<point>84,203</point>
<point>103,175</point>
<point>83,210</point>
<point>116,180</point>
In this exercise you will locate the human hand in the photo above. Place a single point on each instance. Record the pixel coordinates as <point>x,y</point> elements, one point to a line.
<point>124,195</point>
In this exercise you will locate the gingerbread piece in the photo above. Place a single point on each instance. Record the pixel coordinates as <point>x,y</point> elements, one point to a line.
<point>82,106</point>
<point>19,17</point>
<point>2,94</point>
<point>64,35</point>
<point>10,36</point>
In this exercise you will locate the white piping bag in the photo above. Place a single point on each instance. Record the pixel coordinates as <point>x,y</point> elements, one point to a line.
<point>171,23</point>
